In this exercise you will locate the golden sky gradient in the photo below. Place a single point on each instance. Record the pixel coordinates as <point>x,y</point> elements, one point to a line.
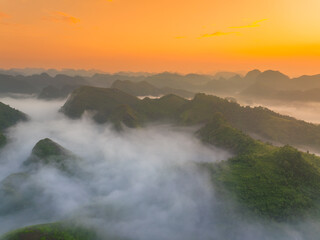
<point>165,35</point>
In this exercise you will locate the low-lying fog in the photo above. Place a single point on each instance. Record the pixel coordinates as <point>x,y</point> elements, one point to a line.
<point>144,183</point>
<point>306,111</point>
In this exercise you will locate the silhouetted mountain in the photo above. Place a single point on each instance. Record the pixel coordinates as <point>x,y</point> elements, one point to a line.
<point>35,83</point>
<point>144,88</point>
<point>174,80</point>
<point>51,72</point>
<point>11,84</point>
<point>231,86</point>
<point>252,75</point>
<point>225,75</point>
<point>277,86</point>
<point>50,92</point>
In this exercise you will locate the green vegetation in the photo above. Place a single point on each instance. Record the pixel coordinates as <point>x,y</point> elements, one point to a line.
<point>47,152</point>
<point>53,231</point>
<point>164,108</point>
<point>8,117</point>
<point>126,115</point>
<point>100,100</point>
<point>280,183</point>
<point>46,148</point>
<point>113,105</point>
<point>16,192</point>
<point>277,183</point>
<point>258,121</point>
<point>220,133</point>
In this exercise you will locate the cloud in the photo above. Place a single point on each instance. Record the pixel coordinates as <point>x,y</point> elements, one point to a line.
<point>62,17</point>
<point>217,34</point>
<point>148,177</point>
<point>252,25</point>
<point>140,184</point>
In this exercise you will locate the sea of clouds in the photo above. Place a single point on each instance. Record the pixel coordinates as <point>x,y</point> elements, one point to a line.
<point>139,183</point>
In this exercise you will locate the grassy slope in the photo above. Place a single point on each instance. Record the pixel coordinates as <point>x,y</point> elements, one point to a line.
<point>47,152</point>
<point>8,117</point>
<point>54,231</point>
<point>277,183</point>
<point>259,121</point>
<point>15,191</point>
<point>57,231</point>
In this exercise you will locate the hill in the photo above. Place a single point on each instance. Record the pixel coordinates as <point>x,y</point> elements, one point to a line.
<point>51,92</point>
<point>258,121</point>
<point>113,105</point>
<point>144,88</point>
<point>47,152</point>
<point>35,83</point>
<point>278,183</point>
<point>53,231</point>
<point>8,118</point>
<point>18,191</point>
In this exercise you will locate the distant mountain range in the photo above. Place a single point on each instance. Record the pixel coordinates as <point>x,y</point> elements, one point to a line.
<point>254,85</point>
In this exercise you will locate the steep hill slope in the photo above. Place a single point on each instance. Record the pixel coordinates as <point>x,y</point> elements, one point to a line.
<point>277,183</point>
<point>8,118</point>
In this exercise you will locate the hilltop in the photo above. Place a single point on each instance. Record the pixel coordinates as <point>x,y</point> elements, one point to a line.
<point>18,191</point>
<point>111,105</point>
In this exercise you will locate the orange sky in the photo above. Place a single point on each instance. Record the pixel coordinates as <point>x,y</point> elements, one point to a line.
<point>165,35</point>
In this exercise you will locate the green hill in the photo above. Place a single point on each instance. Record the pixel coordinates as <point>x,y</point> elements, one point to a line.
<point>53,231</point>
<point>8,118</point>
<point>258,121</point>
<point>47,152</point>
<point>100,100</point>
<point>57,231</point>
<point>113,105</point>
<point>16,192</point>
<point>280,183</point>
